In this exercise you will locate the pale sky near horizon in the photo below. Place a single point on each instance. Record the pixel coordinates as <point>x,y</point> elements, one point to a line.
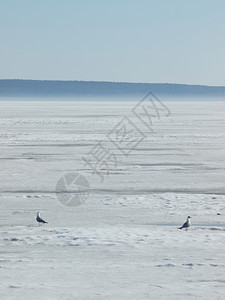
<point>174,41</point>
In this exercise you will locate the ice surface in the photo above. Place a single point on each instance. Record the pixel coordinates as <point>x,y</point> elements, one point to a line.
<point>123,242</point>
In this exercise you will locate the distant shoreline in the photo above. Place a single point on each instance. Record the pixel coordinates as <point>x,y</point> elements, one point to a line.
<point>13,88</point>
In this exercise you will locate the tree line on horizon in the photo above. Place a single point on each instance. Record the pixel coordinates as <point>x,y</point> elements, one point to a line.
<point>40,88</point>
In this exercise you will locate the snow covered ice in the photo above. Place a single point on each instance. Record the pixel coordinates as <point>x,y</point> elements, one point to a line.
<point>123,242</point>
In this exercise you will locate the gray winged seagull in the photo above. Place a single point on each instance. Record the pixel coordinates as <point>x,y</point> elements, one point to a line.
<point>186,224</point>
<point>39,219</point>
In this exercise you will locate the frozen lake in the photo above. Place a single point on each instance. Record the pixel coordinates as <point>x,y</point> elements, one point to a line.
<point>123,241</point>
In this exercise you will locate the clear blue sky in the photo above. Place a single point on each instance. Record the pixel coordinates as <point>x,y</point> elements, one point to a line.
<point>175,41</point>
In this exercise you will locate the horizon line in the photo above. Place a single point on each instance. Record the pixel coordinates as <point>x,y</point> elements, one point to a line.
<point>103,81</point>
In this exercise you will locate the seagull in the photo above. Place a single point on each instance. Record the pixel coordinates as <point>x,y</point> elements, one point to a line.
<point>186,224</point>
<point>39,219</point>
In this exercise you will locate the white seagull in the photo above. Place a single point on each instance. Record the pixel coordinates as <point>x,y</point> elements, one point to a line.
<point>186,224</point>
<point>39,219</point>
